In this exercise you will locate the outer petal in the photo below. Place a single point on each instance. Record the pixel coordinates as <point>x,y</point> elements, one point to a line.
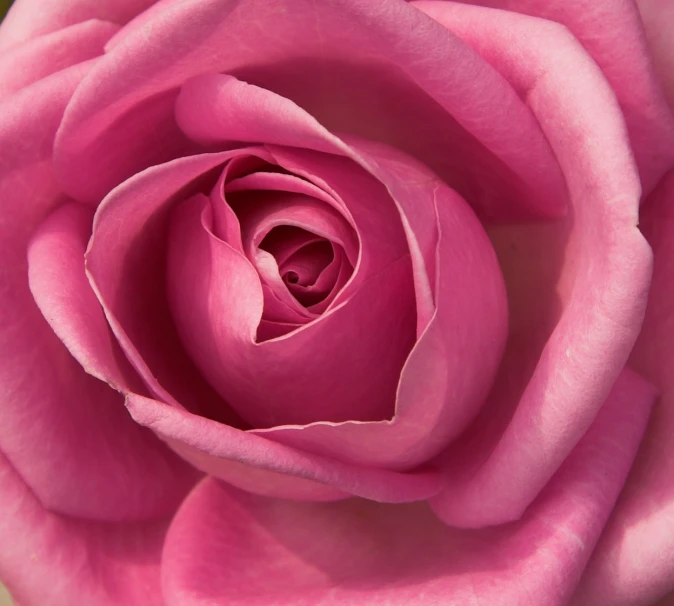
<point>50,53</point>
<point>604,278</point>
<point>64,431</point>
<point>52,560</point>
<point>612,33</point>
<point>372,50</point>
<point>658,19</point>
<point>634,562</point>
<point>29,19</point>
<point>234,548</point>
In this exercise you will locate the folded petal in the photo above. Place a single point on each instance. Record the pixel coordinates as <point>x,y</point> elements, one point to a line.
<point>127,273</point>
<point>47,54</point>
<point>127,472</point>
<point>524,434</point>
<point>263,466</point>
<point>29,19</point>
<point>612,33</point>
<point>634,561</point>
<point>65,432</point>
<point>389,51</point>
<point>343,365</point>
<point>47,558</point>
<point>227,546</point>
<point>215,109</point>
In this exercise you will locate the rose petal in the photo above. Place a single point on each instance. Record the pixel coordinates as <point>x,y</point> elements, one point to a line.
<point>207,443</point>
<point>389,51</point>
<point>424,421</point>
<point>64,431</point>
<point>612,33</point>
<point>451,367</point>
<point>51,559</point>
<point>53,52</point>
<point>658,20</point>
<point>127,472</point>
<point>602,289</point>
<point>127,272</point>
<point>29,19</point>
<point>634,561</point>
<point>343,366</point>
<point>228,546</point>
<point>221,451</point>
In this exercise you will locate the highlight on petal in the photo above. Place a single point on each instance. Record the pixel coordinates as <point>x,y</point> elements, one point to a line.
<point>611,32</point>
<point>224,545</point>
<point>63,431</point>
<point>520,439</point>
<point>51,53</point>
<point>30,19</point>
<point>47,558</point>
<point>216,108</point>
<point>390,51</point>
<point>634,561</point>
<point>221,451</point>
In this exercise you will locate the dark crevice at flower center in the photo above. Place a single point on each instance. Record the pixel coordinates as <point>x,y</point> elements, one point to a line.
<point>303,259</point>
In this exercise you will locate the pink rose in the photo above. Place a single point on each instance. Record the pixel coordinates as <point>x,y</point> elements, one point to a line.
<point>336,302</point>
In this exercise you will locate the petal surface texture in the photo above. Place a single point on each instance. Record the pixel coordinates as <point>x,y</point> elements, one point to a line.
<point>55,560</point>
<point>64,431</point>
<point>548,392</point>
<point>612,33</point>
<point>634,562</point>
<point>471,104</point>
<point>225,545</point>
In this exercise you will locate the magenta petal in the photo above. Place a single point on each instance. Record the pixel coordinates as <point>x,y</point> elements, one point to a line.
<point>450,369</point>
<point>50,53</point>
<point>29,19</point>
<point>602,289</point>
<point>66,433</point>
<point>225,546</point>
<point>611,32</point>
<point>126,263</point>
<point>51,559</point>
<point>424,421</point>
<point>391,52</point>
<point>126,471</point>
<point>634,561</point>
<point>342,366</point>
<point>221,451</point>
<point>658,20</point>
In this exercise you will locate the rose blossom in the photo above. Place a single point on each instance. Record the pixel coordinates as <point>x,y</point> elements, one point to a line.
<point>336,302</point>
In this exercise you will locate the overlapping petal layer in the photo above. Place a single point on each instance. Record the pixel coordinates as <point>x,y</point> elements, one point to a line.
<point>355,552</point>
<point>47,558</point>
<point>440,389</point>
<point>34,60</point>
<point>634,561</point>
<point>612,33</point>
<point>30,19</point>
<point>361,53</point>
<point>65,432</point>
<point>604,268</point>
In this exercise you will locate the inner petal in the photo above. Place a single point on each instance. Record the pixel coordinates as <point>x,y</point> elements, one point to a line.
<point>303,249</point>
<point>303,269</point>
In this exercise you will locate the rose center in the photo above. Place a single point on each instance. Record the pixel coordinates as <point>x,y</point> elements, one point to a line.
<point>307,264</point>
